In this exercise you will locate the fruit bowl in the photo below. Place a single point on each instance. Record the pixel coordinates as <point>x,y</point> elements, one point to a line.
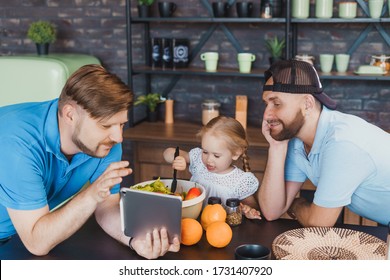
<point>190,208</point>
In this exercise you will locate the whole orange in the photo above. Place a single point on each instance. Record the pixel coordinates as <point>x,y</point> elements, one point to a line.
<point>191,231</point>
<point>219,234</point>
<point>212,213</point>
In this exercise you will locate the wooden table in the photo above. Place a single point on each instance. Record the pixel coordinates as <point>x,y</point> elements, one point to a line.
<point>148,140</point>
<point>92,243</point>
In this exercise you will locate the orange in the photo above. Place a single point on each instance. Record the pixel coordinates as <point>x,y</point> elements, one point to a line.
<point>191,231</point>
<point>212,213</point>
<point>219,234</point>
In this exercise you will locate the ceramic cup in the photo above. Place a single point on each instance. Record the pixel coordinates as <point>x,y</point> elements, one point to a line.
<point>252,252</point>
<point>220,9</point>
<point>300,8</point>
<point>211,60</point>
<point>244,9</point>
<point>166,9</point>
<point>342,61</point>
<point>326,62</point>
<point>245,62</point>
<point>324,8</point>
<point>347,9</point>
<point>375,7</point>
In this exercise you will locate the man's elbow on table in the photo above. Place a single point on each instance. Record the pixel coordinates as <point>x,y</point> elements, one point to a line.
<point>37,249</point>
<point>270,214</point>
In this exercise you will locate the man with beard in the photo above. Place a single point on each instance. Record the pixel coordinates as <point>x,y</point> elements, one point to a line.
<point>50,150</point>
<point>345,157</point>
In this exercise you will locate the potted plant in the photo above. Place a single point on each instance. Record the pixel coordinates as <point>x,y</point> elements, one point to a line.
<point>276,48</point>
<point>150,100</point>
<point>144,8</point>
<point>42,33</point>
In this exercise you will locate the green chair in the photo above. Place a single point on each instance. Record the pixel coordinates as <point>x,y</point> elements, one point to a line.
<point>31,78</point>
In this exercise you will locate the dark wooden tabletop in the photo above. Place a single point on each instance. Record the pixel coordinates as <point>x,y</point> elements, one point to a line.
<point>92,243</point>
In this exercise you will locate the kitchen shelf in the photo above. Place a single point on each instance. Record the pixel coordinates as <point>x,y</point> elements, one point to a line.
<point>340,20</point>
<point>206,20</point>
<point>255,73</point>
<point>210,24</point>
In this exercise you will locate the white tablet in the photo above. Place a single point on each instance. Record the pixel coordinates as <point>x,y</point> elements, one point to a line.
<point>143,211</point>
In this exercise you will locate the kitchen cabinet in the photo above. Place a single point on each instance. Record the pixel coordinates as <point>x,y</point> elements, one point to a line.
<point>149,140</point>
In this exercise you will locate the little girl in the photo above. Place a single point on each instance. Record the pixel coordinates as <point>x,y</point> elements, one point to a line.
<point>223,141</point>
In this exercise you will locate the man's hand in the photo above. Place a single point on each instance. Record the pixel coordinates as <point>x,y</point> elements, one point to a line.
<point>100,189</point>
<point>266,130</point>
<point>155,244</point>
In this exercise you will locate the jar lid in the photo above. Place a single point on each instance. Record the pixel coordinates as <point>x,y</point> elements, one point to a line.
<point>381,56</point>
<point>232,202</point>
<point>211,103</point>
<point>214,200</point>
<point>304,56</point>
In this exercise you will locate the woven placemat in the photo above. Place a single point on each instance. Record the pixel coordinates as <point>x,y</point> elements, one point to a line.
<point>328,243</point>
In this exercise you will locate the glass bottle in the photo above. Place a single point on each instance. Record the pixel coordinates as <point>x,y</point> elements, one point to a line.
<point>234,216</point>
<point>266,10</point>
<point>210,110</point>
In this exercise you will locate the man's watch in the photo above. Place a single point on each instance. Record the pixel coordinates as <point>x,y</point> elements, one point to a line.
<point>291,213</point>
<point>131,247</point>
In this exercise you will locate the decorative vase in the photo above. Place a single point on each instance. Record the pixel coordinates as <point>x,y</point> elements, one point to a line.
<point>152,116</point>
<point>272,60</point>
<point>144,11</point>
<point>43,49</point>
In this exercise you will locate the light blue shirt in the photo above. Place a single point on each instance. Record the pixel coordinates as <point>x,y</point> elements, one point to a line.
<point>349,164</point>
<point>33,170</point>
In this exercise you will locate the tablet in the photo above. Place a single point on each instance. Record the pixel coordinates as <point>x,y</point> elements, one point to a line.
<point>143,211</point>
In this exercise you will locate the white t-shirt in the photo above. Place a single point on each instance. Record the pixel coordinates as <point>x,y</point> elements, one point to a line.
<point>235,184</point>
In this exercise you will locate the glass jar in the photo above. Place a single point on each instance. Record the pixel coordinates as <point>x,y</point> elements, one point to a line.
<point>234,216</point>
<point>382,61</point>
<point>214,200</point>
<point>305,57</point>
<point>210,110</point>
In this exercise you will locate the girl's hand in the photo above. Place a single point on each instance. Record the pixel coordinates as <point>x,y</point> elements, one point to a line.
<point>249,212</point>
<point>179,163</point>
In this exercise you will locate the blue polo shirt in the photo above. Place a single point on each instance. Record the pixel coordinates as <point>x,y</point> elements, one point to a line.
<point>349,164</point>
<point>33,170</point>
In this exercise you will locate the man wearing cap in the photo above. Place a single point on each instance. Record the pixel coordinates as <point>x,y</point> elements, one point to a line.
<point>345,157</point>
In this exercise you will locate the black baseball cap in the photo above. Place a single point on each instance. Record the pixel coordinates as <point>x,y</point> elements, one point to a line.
<point>297,77</point>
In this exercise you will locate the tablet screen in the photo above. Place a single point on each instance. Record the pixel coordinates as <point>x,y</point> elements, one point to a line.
<point>143,211</point>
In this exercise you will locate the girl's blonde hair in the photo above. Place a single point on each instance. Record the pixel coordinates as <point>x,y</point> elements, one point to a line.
<point>232,132</point>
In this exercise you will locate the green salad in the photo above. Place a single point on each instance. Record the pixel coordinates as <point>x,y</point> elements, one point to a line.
<point>156,186</point>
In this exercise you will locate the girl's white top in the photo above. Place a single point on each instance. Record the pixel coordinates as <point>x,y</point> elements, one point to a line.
<point>235,184</point>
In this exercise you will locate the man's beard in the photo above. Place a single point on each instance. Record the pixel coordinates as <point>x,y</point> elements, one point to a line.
<point>83,148</point>
<point>290,131</point>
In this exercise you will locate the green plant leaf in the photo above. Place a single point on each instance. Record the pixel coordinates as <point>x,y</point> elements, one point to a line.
<point>42,32</point>
<point>275,46</point>
<point>151,100</point>
<point>145,2</point>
